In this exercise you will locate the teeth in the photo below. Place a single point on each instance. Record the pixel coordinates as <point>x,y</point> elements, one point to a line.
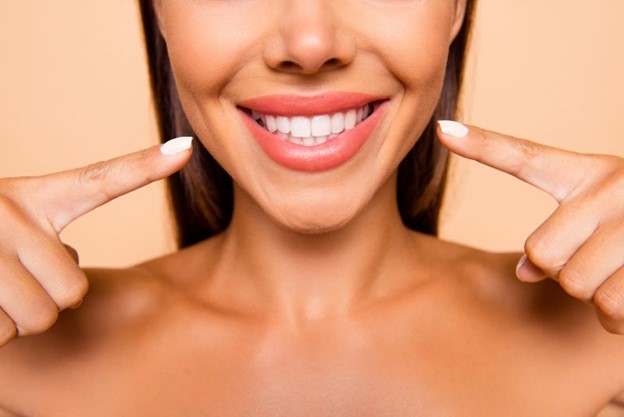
<point>300,127</point>
<point>283,124</point>
<point>350,119</point>
<point>337,123</point>
<point>316,130</point>
<point>321,125</point>
<point>321,139</point>
<point>271,124</point>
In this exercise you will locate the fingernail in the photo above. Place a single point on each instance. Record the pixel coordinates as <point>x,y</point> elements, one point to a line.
<point>177,145</point>
<point>520,263</point>
<point>453,128</point>
<point>527,272</point>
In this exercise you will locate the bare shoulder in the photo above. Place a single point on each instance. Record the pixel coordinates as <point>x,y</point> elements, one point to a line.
<point>119,302</point>
<point>556,323</point>
<point>491,280</point>
<point>126,314</point>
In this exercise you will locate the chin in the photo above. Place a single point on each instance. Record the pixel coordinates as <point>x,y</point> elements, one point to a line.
<point>315,228</point>
<point>315,219</point>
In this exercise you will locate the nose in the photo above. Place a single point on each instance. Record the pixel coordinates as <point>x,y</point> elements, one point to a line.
<point>308,39</point>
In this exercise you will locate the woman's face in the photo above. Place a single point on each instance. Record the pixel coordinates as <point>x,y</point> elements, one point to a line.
<point>309,105</point>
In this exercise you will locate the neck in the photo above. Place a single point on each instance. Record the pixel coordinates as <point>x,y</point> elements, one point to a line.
<point>309,276</point>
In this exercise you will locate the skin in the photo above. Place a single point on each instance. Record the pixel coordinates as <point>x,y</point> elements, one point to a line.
<point>316,300</point>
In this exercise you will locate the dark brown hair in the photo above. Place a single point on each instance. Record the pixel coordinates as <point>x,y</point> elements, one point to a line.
<point>201,193</point>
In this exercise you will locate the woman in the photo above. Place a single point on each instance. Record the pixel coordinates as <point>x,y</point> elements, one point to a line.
<point>310,281</point>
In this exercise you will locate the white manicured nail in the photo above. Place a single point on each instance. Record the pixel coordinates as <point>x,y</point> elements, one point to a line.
<point>452,128</point>
<point>177,145</point>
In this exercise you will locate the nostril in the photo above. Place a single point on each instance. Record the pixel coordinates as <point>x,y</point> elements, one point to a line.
<point>332,63</point>
<point>290,66</point>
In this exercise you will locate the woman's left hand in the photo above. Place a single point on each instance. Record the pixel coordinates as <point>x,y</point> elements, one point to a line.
<point>581,245</point>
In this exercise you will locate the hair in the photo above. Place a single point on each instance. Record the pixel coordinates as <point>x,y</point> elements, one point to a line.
<point>201,194</point>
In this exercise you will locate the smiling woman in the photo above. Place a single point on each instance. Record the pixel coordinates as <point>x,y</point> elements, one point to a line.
<point>306,180</point>
<point>293,52</point>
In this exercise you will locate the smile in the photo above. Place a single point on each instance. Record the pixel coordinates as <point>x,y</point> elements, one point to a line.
<point>314,133</point>
<point>314,130</point>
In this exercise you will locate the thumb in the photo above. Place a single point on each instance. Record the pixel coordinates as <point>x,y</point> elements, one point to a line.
<point>67,195</point>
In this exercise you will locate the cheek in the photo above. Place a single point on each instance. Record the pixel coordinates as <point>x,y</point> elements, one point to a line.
<point>206,43</point>
<point>413,41</point>
<point>413,45</point>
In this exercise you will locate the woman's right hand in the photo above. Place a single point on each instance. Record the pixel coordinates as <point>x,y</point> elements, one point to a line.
<point>39,277</point>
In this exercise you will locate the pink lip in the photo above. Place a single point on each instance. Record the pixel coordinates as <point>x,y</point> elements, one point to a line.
<point>322,157</point>
<point>291,105</point>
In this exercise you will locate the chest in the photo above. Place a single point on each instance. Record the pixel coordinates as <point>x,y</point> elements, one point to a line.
<point>342,376</point>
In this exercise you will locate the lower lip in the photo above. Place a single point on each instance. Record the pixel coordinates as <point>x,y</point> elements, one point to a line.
<point>328,155</point>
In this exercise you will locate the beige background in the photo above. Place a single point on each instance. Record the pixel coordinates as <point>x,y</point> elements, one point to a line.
<point>73,90</point>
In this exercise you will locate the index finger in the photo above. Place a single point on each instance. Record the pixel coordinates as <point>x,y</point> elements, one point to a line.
<point>67,195</point>
<point>552,170</point>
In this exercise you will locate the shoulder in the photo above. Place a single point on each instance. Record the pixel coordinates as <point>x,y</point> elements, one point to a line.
<point>119,302</point>
<point>556,324</point>
<point>124,315</point>
<point>489,279</point>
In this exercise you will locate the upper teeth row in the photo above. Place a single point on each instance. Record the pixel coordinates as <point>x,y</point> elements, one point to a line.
<point>319,126</point>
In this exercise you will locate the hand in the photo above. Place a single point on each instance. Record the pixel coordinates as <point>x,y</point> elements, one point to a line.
<point>39,276</point>
<point>581,245</point>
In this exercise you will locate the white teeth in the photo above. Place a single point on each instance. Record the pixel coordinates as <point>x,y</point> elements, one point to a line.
<point>321,139</point>
<point>350,119</point>
<point>283,124</point>
<point>321,125</point>
<point>337,123</point>
<point>271,124</point>
<point>315,130</point>
<point>300,127</point>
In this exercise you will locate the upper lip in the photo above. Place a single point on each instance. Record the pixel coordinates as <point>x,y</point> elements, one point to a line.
<point>298,105</point>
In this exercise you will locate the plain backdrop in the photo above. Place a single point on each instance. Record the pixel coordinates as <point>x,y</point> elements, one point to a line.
<point>74,90</point>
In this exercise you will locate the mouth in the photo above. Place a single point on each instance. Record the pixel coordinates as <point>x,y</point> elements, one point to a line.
<point>312,133</point>
<point>312,130</point>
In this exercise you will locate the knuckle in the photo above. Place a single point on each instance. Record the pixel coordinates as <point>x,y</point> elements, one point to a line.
<point>72,293</point>
<point>94,176</point>
<point>43,316</point>
<point>610,302</point>
<point>610,325</point>
<point>539,252</point>
<point>528,149</point>
<point>143,167</point>
<point>575,284</point>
